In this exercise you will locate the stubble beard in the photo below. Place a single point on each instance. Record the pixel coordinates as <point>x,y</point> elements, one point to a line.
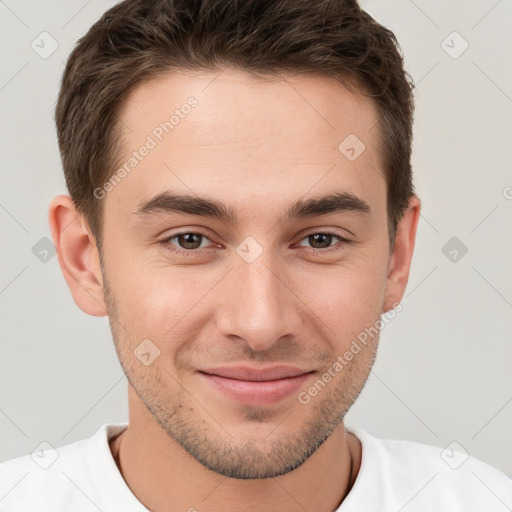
<point>187,422</point>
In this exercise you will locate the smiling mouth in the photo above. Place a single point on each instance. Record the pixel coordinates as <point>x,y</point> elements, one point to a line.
<point>256,387</point>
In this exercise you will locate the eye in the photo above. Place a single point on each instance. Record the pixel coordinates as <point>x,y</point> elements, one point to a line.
<point>321,242</point>
<point>191,243</point>
<point>188,242</point>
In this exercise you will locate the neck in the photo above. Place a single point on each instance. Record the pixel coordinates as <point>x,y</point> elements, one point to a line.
<point>159,472</point>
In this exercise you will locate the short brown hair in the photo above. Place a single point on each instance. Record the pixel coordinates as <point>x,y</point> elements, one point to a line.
<point>137,40</point>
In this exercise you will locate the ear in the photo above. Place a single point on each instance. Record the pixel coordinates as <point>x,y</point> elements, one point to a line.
<point>78,255</point>
<point>403,248</point>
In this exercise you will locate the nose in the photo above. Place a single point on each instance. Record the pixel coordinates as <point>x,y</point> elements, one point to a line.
<point>261,305</point>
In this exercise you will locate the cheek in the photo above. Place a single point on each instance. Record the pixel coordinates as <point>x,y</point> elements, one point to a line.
<point>161,301</point>
<point>346,298</point>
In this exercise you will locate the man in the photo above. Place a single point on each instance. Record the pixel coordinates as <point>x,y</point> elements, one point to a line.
<point>241,207</point>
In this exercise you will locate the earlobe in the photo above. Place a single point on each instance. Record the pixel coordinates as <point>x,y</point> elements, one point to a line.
<point>403,249</point>
<point>78,255</point>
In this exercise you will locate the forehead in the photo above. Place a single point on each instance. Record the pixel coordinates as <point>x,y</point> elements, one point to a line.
<point>214,132</point>
<point>240,104</point>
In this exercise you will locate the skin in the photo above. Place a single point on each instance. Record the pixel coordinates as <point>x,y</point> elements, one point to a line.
<point>257,146</point>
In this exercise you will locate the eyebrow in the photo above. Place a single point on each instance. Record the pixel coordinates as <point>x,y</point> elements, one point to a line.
<point>166,202</point>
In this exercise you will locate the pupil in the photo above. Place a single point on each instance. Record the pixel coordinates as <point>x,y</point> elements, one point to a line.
<point>189,240</point>
<point>327,238</point>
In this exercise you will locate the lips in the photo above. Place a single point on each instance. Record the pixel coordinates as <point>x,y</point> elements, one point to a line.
<point>257,387</point>
<point>256,375</point>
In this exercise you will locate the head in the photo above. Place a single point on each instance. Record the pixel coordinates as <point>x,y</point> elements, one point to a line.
<point>241,194</point>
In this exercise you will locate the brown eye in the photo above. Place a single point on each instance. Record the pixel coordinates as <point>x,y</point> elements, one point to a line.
<point>186,242</point>
<point>189,240</point>
<point>323,242</point>
<point>320,240</point>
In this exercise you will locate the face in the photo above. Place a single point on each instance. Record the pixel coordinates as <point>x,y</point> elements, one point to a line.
<point>245,280</point>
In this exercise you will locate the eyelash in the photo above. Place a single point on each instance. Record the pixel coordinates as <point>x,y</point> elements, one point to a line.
<point>194,252</point>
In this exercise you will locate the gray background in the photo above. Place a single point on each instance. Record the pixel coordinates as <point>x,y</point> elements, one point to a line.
<point>443,372</point>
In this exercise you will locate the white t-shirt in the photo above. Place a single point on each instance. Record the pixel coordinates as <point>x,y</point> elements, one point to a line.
<point>394,476</point>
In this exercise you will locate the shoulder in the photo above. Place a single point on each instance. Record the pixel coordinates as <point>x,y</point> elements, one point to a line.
<point>429,477</point>
<point>68,471</point>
